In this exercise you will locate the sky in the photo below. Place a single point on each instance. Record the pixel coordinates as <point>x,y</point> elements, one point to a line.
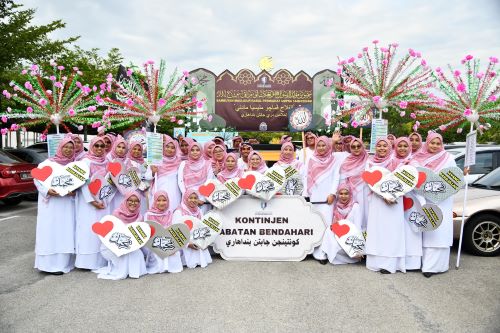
<point>299,35</point>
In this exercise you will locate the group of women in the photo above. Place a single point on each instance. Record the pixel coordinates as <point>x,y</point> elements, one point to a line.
<point>331,169</point>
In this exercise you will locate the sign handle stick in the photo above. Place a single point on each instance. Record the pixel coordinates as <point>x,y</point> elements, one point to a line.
<point>57,129</point>
<point>457,265</point>
<point>304,146</point>
<point>361,133</point>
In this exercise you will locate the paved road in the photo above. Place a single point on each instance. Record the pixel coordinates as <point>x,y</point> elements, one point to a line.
<point>241,296</point>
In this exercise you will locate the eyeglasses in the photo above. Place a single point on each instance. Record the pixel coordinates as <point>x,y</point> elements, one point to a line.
<point>100,146</point>
<point>356,146</point>
<point>133,201</point>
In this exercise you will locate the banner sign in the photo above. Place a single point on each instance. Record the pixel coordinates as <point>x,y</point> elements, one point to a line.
<point>53,142</point>
<point>470,149</point>
<point>286,228</point>
<point>154,148</point>
<point>203,137</point>
<point>379,130</point>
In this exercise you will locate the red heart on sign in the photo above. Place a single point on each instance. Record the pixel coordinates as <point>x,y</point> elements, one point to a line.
<point>189,223</point>
<point>340,229</point>
<point>114,168</point>
<point>371,177</point>
<point>152,230</point>
<point>95,186</point>
<point>421,178</point>
<point>206,190</point>
<point>407,203</point>
<point>41,174</point>
<point>102,229</point>
<point>247,182</point>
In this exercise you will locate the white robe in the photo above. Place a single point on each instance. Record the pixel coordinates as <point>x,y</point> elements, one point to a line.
<point>167,183</point>
<point>55,230</point>
<point>385,240</point>
<point>130,265</point>
<point>87,243</point>
<point>155,264</point>
<point>182,187</point>
<point>241,164</point>
<point>336,255</point>
<point>436,244</point>
<point>144,186</point>
<point>300,155</point>
<point>192,258</point>
<point>326,184</point>
<point>413,239</point>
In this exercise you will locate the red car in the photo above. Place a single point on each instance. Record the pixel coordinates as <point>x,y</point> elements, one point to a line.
<point>15,179</point>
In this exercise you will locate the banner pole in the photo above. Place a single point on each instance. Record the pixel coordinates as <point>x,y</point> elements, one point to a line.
<point>457,265</point>
<point>304,147</point>
<point>361,133</point>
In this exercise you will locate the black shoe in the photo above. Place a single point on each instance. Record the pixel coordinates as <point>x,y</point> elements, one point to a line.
<point>323,261</point>
<point>55,273</point>
<point>428,274</point>
<point>385,271</point>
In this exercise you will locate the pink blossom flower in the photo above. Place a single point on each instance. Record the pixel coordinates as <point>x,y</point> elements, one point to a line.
<point>342,62</point>
<point>468,57</point>
<point>48,92</point>
<point>29,109</point>
<point>129,72</point>
<point>354,124</point>
<point>53,63</point>
<point>413,116</point>
<point>365,49</point>
<point>329,82</point>
<point>376,99</point>
<point>492,98</point>
<point>394,44</point>
<point>415,127</point>
<point>209,118</point>
<point>80,127</point>
<point>419,54</point>
<point>344,125</point>
<point>341,103</point>
<point>58,85</point>
<point>78,84</point>
<point>423,62</point>
<point>493,60</point>
<point>94,88</point>
<point>492,74</point>
<point>479,75</point>
<point>457,72</point>
<point>440,101</point>
<point>60,68</point>
<point>102,86</point>
<point>417,123</point>
<point>412,52</point>
<point>185,73</point>
<point>360,56</point>
<point>130,102</point>
<point>462,61</point>
<point>75,69</point>
<point>34,67</point>
<point>42,102</point>
<point>481,127</point>
<point>351,60</point>
<point>375,41</point>
<point>28,85</point>
<point>332,94</point>
<point>92,108</point>
<point>438,69</point>
<point>150,62</point>
<point>180,122</point>
<point>14,127</point>
<point>461,87</point>
<point>339,71</point>
<point>86,90</point>
<point>403,104</point>
<point>79,73</point>
<point>384,49</point>
<point>173,119</point>
<point>43,137</point>
<point>9,109</point>
<point>71,112</point>
<point>442,128</point>
<point>52,78</point>
<point>199,104</point>
<point>23,72</point>
<point>96,124</point>
<point>161,102</point>
<point>459,130</point>
<point>467,112</point>
<point>4,131</point>
<point>4,119</point>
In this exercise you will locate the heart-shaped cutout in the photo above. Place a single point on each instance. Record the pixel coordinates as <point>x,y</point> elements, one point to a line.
<point>441,185</point>
<point>114,168</point>
<point>166,241</point>
<point>407,203</point>
<point>41,174</point>
<point>189,224</point>
<point>123,238</point>
<point>293,184</point>
<point>422,176</point>
<point>63,178</point>
<point>127,179</point>
<point>207,188</point>
<point>392,185</point>
<point>95,186</point>
<point>267,185</point>
<point>427,217</point>
<point>371,177</point>
<point>102,188</point>
<point>204,231</point>
<point>247,182</point>
<point>102,229</point>
<point>349,237</point>
<point>224,194</point>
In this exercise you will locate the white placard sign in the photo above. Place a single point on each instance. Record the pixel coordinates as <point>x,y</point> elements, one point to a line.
<point>53,142</point>
<point>470,149</point>
<point>379,130</point>
<point>154,148</point>
<point>285,228</point>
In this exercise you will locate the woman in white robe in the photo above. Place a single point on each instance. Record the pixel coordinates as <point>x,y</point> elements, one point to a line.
<point>118,153</point>
<point>55,241</point>
<point>160,212</point>
<point>256,162</point>
<point>345,209</point>
<point>436,244</point>
<point>385,240</point>
<point>191,255</point>
<point>131,264</point>
<point>136,159</point>
<point>164,177</point>
<point>322,180</point>
<point>89,211</point>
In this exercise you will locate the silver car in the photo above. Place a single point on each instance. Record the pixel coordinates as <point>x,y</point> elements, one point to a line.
<point>482,215</point>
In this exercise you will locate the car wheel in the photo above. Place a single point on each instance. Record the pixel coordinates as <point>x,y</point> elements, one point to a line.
<point>12,201</point>
<point>482,235</point>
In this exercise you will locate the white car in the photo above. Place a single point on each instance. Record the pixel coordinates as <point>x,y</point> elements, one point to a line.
<point>487,159</point>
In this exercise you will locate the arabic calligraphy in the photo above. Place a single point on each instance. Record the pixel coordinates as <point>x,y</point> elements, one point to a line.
<point>263,242</point>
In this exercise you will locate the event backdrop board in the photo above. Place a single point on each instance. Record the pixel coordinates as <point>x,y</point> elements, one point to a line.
<point>260,102</point>
<point>286,228</point>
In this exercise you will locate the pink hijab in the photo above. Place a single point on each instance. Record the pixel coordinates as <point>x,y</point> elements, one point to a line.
<point>384,162</point>
<point>125,214</point>
<point>319,164</point>
<point>195,170</point>
<point>170,164</point>
<point>80,153</point>
<point>112,154</point>
<point>290,160</point>
<point>183,156</point>
<point>97,164</point>
<point>353,166</point>
<point>218,164</point>
<point>262,167</point>
<point>59,158</point>
<point>419,139</point>
<point>285,138</point>
<point>207,150</point>
<point>434,161</point>
<point>342,210</point>
<point>398,159</point>
<point>185,209</point>
<point>164,217</point>
<point>225,174</point>
<point>131,146</point>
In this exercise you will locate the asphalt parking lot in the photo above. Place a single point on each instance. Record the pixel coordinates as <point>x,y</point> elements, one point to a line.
<point>241,296</point>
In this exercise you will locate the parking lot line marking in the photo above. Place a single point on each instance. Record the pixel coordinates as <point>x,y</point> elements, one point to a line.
<point>8,218</point>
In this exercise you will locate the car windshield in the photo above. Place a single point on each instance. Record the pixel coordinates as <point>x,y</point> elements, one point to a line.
<point>490,180</point>
<point>8,158</point>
